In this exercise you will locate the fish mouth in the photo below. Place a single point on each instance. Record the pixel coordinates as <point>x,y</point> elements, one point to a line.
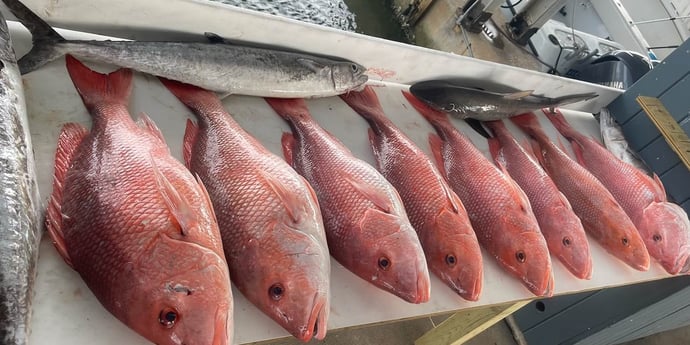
<point>222,330</point>
<point>681,264</point>
<point>473,294</point>
<point>318,319</point>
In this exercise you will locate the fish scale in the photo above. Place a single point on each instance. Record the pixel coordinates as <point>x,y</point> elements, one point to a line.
<point>367,227</point>
<point>561,228</point>
<point>600,213</point>
<point>435,212</point>
<point>664,226</point>
<point>272,229</point>
<point>499,211</point>
<point>135,224</point>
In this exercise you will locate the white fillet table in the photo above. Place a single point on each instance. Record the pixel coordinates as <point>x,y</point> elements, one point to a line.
<point>66,312</point>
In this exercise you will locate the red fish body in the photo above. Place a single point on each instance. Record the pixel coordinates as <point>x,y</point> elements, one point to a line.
<point>664,226</point>
<point>434,210</point>
<point>561,228</point>
<point>269,218</point>
<point>367,227</point>
<point>498,209</point>
<point>135,224</point>
<point>601,215</point>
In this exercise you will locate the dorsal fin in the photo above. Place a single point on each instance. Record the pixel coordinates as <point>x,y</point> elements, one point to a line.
<point>379,199</point>
<point>518,95</point>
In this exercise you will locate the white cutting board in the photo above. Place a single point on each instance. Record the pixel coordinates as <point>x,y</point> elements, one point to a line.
<point>66,312</point>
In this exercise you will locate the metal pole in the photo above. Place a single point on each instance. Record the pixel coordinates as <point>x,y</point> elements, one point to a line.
<point>658,20</point>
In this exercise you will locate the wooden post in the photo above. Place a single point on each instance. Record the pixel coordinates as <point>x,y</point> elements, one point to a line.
<point>464,325</point>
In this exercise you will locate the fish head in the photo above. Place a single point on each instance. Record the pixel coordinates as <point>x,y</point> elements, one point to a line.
<point>527,256</point>
<point>348,76</point>
<point>391,257</point>
<point>287,276</point>
<point>667,230</point>
<point>570,245</point>
<point>183,296</point>
<point>453,254</point>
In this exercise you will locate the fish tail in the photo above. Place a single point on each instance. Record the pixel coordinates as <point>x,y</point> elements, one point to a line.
<point>568,99</point>
<point>435,117</point>
<point>96,88</point>
<point>365,103</point>
<point>561,124</point>
<point>194,97</point>
<point>529,124</point>
<point>497,127</point>
<point>290,109</point>
<point>44,38</point>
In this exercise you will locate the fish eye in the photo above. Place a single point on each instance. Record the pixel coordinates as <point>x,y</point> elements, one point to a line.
<point>520,256</point>
<point>354,68</point>
<point>625,241</point>
<point>276,291</point>
<point>167,317</point>
<point>566,241</point>
<point>450,259</point>
<point>384,263</point>
<point>656,238</point>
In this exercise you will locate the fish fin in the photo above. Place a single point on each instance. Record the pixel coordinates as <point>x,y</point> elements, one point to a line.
<point>565,200</point>
<point>312,192</point>
<point>432,115</point>
<point>374,220</point>
<point>71,136</point>
<point>193,97</point>
<point>577,149</point>
<point>561,124</point>
<point>453,198</point>
<point>521,193</point>
<point>379,199</point>
<point>365,103</point>
<point>374,148</point>
<point>206,196</point>
<point>145,122</point>
<point>436,145</point>
<point>290,202</point>
<point>95,88</point>
<point>42,34</point>
<point>288,143</point>
<point>528,123</point>
<point>518,95</point>
<point>313,65</point>
<point>561,146</point>
<point>179,208</point>
<point>190,133</point>
<point>477,126</point>
<point>494,147</point>
<point>215,38</point>
<point>534,147</point>
<point>660,184</point>
<point>289,108</point>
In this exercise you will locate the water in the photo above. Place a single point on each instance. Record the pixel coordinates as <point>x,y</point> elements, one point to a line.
<point>369,17</point>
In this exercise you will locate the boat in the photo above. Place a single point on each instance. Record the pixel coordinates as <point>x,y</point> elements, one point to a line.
<point>66,312</point>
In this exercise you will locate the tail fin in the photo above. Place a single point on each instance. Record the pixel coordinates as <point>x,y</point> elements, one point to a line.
<point>435,117</point>
<point>496,127</point>
<point>43,36</point>
<point>365,103</point>
<point>289,108</point>
<point>562,125</point>
<point>198,99</point>
<point>96,88</point>
<point>529,124</point>
<point>563,100</point>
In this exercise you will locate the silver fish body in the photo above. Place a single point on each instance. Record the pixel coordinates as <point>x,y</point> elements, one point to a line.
<point>214,65</point>
<point>614,140</point>
<point>465,102</point>
<point>20,230</point>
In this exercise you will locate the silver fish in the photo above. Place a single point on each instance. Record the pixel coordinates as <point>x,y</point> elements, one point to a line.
<point>466,102</point>
<point>20,230</point>
<point>614,140</point>
<point>213,65</point>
